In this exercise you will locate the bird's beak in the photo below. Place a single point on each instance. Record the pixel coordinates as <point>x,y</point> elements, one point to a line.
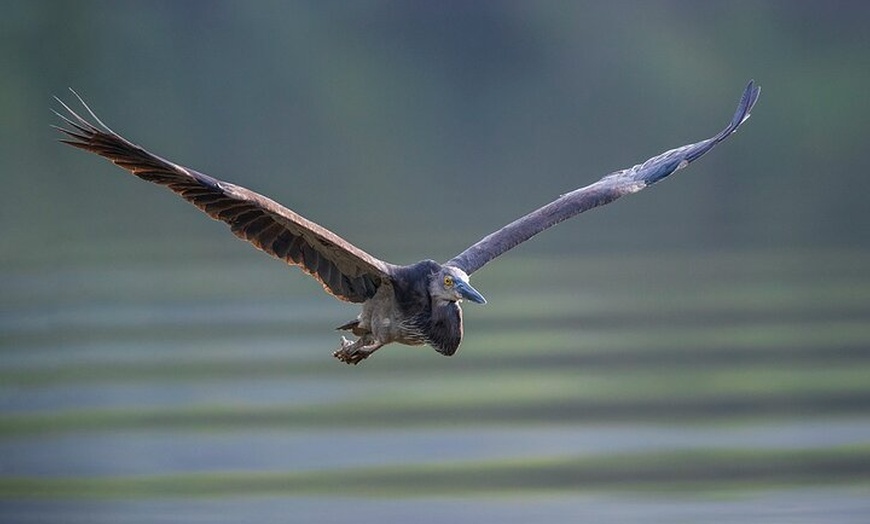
<point>469,292</point>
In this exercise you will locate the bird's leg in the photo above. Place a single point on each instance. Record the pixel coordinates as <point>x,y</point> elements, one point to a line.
<point>356,352</point>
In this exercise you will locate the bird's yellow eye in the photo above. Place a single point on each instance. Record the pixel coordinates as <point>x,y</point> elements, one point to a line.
<point>448,281</point>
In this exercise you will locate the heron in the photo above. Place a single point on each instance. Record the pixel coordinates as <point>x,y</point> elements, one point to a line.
<point>416,304</point>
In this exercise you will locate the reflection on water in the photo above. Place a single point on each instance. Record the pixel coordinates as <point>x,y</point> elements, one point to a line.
<point>153,452</point>
<point>747,374</point>
<point>798,506</point>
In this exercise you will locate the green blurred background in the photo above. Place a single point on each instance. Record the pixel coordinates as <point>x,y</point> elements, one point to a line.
<point>697,352</point>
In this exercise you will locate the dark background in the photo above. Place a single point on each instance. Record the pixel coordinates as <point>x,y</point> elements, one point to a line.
<point>392,122</point>
<point>698,351</point>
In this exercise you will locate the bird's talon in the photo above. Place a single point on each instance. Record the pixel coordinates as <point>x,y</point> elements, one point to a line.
<point>350,352</point>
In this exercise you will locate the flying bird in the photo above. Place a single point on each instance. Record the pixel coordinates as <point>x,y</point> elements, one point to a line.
<point>414,304</point>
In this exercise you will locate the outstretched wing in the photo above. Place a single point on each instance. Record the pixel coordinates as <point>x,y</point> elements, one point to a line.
<point>600,193</point>
<point>344,270</point>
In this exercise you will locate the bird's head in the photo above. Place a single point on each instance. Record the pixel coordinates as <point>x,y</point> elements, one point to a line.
<point>450,284</point>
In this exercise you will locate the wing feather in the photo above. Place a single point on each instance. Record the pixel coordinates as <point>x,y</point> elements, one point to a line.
<point>599,193</point>
<point>343,269</point>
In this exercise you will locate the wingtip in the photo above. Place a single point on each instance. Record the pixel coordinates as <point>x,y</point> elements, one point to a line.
<point>76,115</point>
<point>742,114</point>
<point>751,93</point>
<point>744,108</point>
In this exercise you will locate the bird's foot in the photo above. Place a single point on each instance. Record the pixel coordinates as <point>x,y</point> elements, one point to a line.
<point>354,352</point>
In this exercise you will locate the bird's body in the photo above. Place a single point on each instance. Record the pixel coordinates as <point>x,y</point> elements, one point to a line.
<point>412,305</point>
